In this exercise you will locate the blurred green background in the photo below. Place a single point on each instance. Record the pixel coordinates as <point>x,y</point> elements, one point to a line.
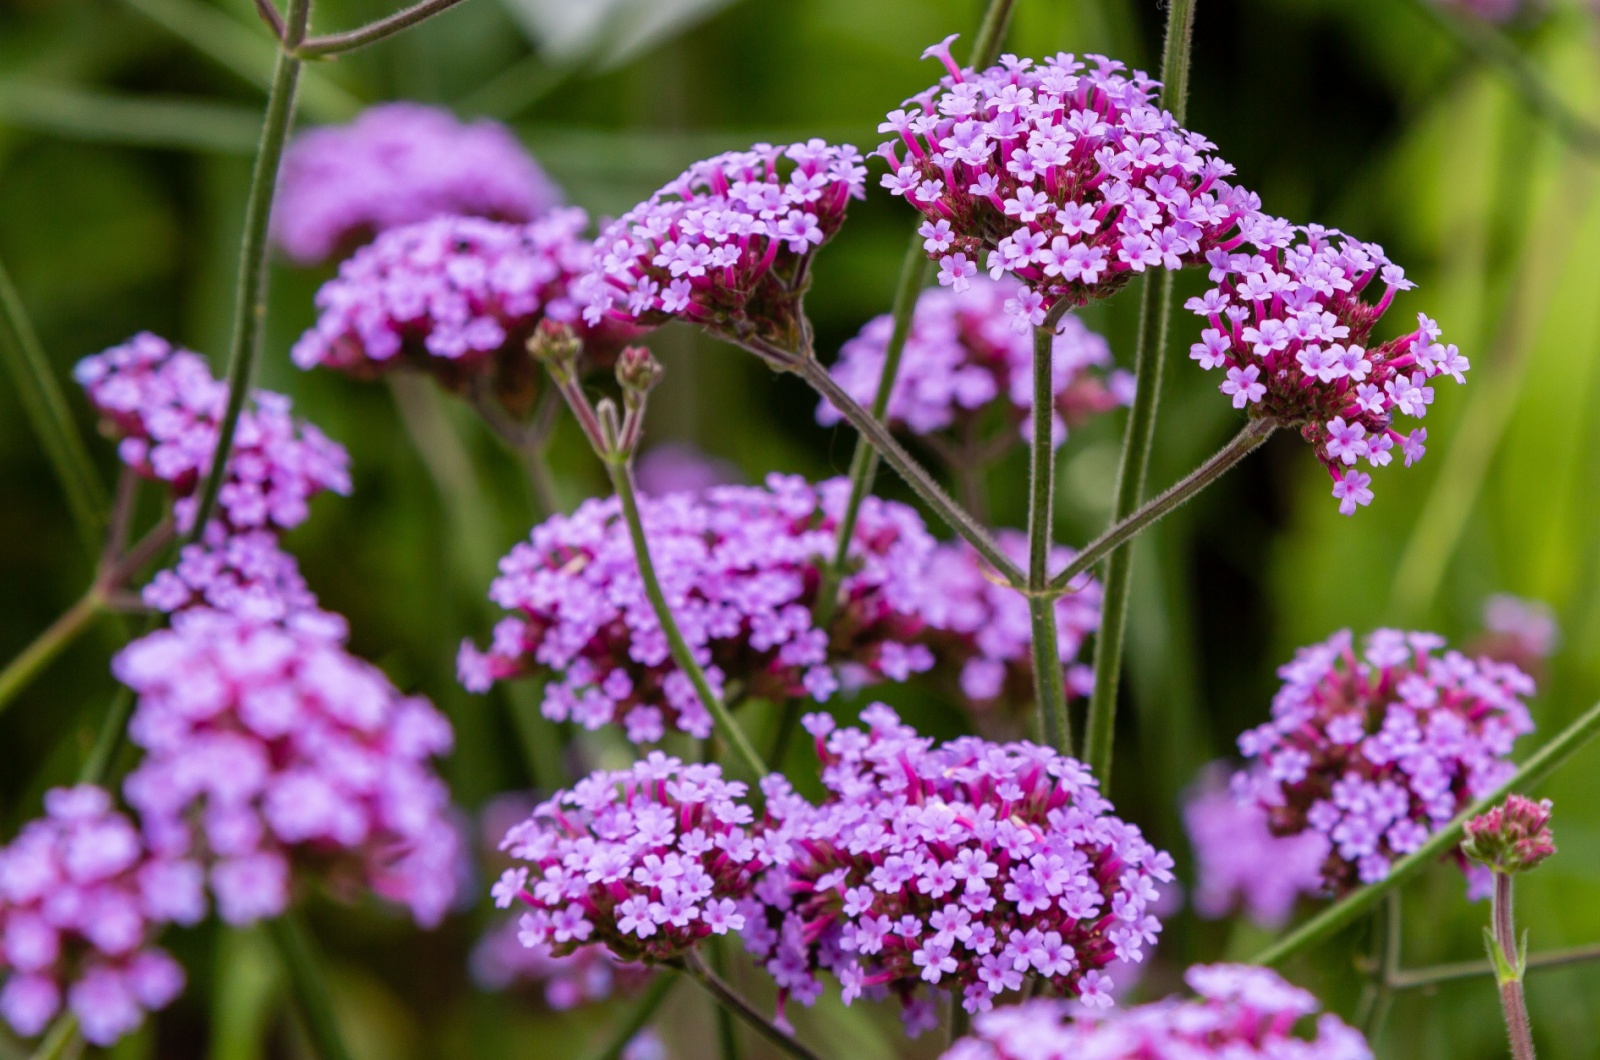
<point>126,129</point>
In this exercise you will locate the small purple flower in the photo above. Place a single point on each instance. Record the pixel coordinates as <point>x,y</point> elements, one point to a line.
<point>246,574</point>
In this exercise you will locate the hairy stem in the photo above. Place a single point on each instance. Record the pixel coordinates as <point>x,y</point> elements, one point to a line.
<point>303,968</point>
<point>32,660</point>
<point>335,43</point>
<point>730,999</point>
<point>637,1018</point>
<point>1049,687</point>
<point>1433,975</point>
<point>1540,765</point>
<point>1512,1001</point>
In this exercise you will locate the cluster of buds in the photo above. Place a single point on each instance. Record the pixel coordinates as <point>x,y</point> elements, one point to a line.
<point>1513,837</point>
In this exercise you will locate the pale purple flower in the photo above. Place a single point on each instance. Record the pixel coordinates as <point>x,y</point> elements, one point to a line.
<point>679,467</point>
<point>1239,864</point>
<point>245,573</point>
<point>1518,631</point>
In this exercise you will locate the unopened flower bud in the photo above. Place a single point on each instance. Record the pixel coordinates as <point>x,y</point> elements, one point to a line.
<point>637,371</point>
<point>1512,837</point>
<point>556,346</point>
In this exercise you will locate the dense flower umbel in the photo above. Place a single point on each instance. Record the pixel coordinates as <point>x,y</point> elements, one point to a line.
<point>966,866</point>
<point>1377,750</point>
<point>963,358</point>
<point>740,566</point>
<point>1290,327</point>
<point>271,751</point>
<point>647,861</point>
<point>398,164</point>
<point>728,244</point>
<point>588,975</point>
<point>245,573</point>
<point>982,627</point>
<point>1239,864</point>
<point>80,901</point>
<point>1070,179</point>
<point>1241,1012</point>
<point>1513,837</point>
<point>166,407</point>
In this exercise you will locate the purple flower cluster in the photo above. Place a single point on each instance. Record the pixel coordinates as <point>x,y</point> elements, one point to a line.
<point>81,900</point>
<point>1241,1012</point>
<point>1522,632</point>
<point>586,976</point>
<point>728,244</point>
<point>679,467</point>
<point>740,566</point>
<point>963,357</point>
<point>1240,864</point>
<point>270,750</point>
<point>1375,751</point>
<point>966,867</point>
<point>982,627</point>
<point>1289,325</point>
<point>245,574</point>
<point>167,408</point>
<point>397,164</point>
<point>646,861</point>
<point>1068,178</point>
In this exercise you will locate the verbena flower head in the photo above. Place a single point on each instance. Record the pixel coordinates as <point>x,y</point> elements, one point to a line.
<point>586,976</point>
<point>1290,324</point>
<point>81,900</point>
<point>245,573</point>
<point>740,566</point>
<point>679,467</point>
<point>1240,1012</point>
<point>1513,837</point>
<point>1072,179</point>
<point>1239,864</point>
<point>457,297</point>
<point>1522,632</point>
<point>272,753</point>
<point>982,628</point>
<point>964,359</point>
<point>965,867</point>
<point>167,409</point>
<point>728,244</point>
<point>397,164</point>
<point>1377,750</point>
<point>646,861</point>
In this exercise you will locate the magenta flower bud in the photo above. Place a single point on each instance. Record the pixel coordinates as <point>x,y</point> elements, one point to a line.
<point>638,372</point>
<point>1513,837</point>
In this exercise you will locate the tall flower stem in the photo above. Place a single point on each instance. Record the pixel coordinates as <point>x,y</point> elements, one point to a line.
<point>1540,765</point>
<point>528,442</point>
<point>308,985</point>
<point>1155,313</point>
<point>730,999</point>
<point>32,660</point>
<point>59,1040</point>
<point>1050,693</point>
<point>727,1032</point>
<point>331,44</point>
<point>1507,958</point>
<point>1433,975</point>
<point>637,1018</point>
<point>1378,994</point>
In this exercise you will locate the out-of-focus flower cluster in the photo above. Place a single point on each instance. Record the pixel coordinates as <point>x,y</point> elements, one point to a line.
<point>397,164</point>
<point>1241,1012</point>
<point>586,976</point>
<point>1375,751</point>
<point>1522,632</point>
<point>244,573</point>
<point>1289,325</point>
<point>728,244</point>
<point>647,861</point>
<point>1068,177</point>
<point>81,900</point>
<point>679,467</point>
<point>740,566</point>
<point>167,409</point>
<point>966,866</point>
<point>963,358</point>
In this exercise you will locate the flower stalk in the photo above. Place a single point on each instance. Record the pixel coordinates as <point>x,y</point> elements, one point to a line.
<point>329,45</point>
<point>1434,975</point>
<point>1510,960</point>
<point>1050,694</point>
<point>303,968</point>
<point>637,1018</point>
<point>726,996</point>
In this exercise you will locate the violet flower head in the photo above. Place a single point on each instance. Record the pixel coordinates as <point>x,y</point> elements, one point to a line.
<point>246,574</point>
<point>1072,179</point>
<point>964,358</point>
<point>981,628</point>
<point>1512,837</point>
<point>1522,632</point>
<point>586,976</point>
<point>1239,1012</point>
<point>646,861</point>
<point>272,753</point>
<point>167,409</point>
<point>728,245</point>
<point>1290,327</point>
<point>81,900</point>
<point>1239,864</point>
<point>740,566</point>
<point>397,164</point>
<point>679,467</point>
<point>1376,751</point>
<point>963,867</point>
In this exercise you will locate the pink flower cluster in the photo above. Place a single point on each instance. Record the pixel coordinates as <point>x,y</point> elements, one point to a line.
<point>728,244</point>
<point>81,900</point>
<point>269,750</point>
<point>966,867</point>
<point>1290,326</point>
<point>1069,178</point>
<point>586,976</point>
<point>982,627</point>
<point>646,861</point>
<point>1241,1013</point>
<point>167,408</point>
<point>1375,751</point>
<point>1512,837</point>
<point>397,164</point>
<point>740,566</point>
<point>245,574</point>
<point>963,358</point>
<point>1239,864</point>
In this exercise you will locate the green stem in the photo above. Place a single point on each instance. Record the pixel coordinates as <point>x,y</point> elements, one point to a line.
<point>46,408</point>
<point>991,31</point>
<point>621,472</point>
<point>1433,975</point>
<point>1378,993</point>
<point>108,741</point>
<point>32,660</point>
<point>1544,761</point>
<point>730,999</point>
<point>637,1018</point>
<point>727,1033</point>
<point>250,295</point>
<point>1050,693</point>
<point>336,43</point>
<point>303,967</point>
<point>1504,938</point>
<point>58,1041</point>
